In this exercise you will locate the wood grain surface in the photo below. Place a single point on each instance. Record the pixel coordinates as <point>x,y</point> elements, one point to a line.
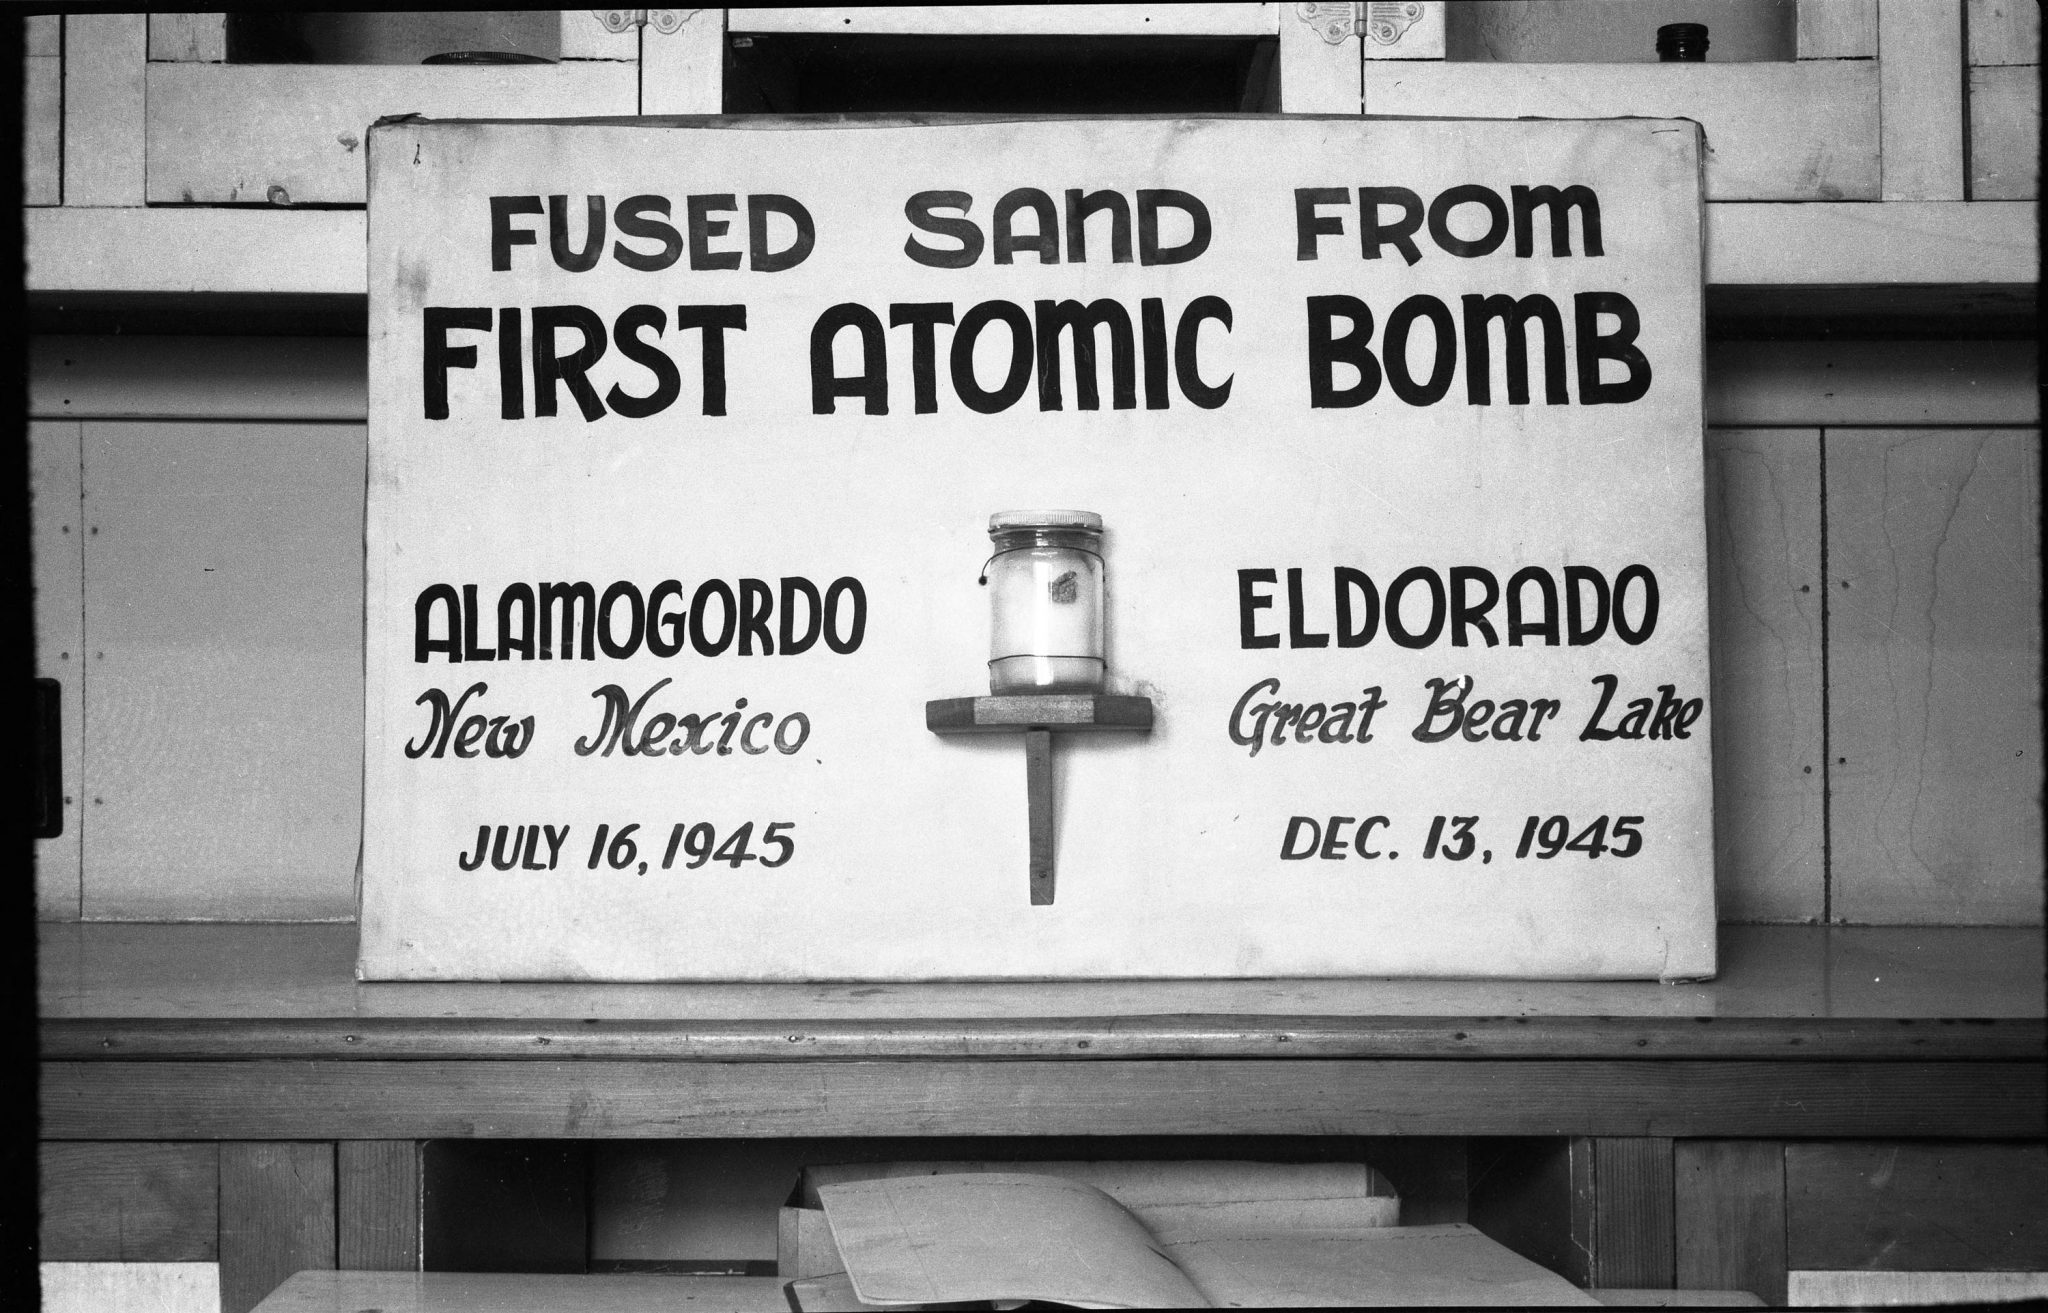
<point>1632,1211</point>
<point>377,1204</point>
<point>426,1099</point>
<point>1076,1039</point>
<point>1919,49</point>
<point>57,547</point>
<point>2004,31</point>
<point>2005,133</point>
<point>1729,1215</point>
<point>223,614</point>
<point>276,1217</point>
<point>1934,675</point>
<point>129,1203</point>
<point>500,1292</point>
<point>1764,581</point>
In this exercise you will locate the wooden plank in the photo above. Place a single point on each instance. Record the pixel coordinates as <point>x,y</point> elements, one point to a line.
<point>1913,1289</point>
<point>1934,672</point>
<point>276,1217</point>
<point>156,1287</point>
<point>423,1100</point>
<point>188,38</point>
<point>499,1292</point>
<point>1837,29</point>
<point>1038,793</point>
<point>1920,61</point>
<point>2003,32</point>
<point>584,36</point>
<point>1729,1216</point>
<point>195,250</point>
<point>1632,1212</point>
<point>1042,711</point>
<point>1862,978</point>
<point>1765,596</point>
<point>1901,242</point>
<point>377,1204</point>
<point>57,543</point>
<point>223,618</point>
<point>1781,132</point>
<point>1422,36</point>
<point>1905,1207</point>
<point>2005,133</point>
<point>209,377</point>
<point>683,72</point>
<point>293,134</point>
<point>1017,20</point>
<point>42,36</point>
<point>104,60</point>
<point>1076,1038</point>
<point>42,130</point>
<point>128,1203</point>
<point>1862,383</point>
<point>1318,76</point>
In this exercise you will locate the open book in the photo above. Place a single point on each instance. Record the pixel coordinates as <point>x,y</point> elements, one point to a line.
<point>1009,1237</point>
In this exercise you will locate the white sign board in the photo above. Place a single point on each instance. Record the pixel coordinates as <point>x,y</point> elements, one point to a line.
<point>683,446</point>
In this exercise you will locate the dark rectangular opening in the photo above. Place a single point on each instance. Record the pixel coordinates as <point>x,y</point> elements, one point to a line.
<point>869,74</point>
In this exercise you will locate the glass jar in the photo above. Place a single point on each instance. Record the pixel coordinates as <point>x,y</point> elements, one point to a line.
<point>1045,602</point>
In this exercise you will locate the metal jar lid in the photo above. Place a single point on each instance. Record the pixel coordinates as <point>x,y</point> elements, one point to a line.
<point>1056,521</point>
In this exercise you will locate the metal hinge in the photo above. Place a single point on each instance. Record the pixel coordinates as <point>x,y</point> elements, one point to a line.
<point>665,21</point>
<point>1379,21</point>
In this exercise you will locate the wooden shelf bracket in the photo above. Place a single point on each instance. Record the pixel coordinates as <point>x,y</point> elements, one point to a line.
<point>1038,717</point>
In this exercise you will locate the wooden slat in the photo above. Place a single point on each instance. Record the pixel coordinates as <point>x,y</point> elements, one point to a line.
<point>683,72</point>
<point>42,36</point>
<point>129,1203</point>
<point>1017,20</point>
<point>104,60</point>
<point>1729,1216</point>
<point>188,38</point>
<point>1821,244</point>
<point>1764,588</point>
<point>195,250</point>
<point>293,134</point>
<point>1632,1212</point>
<point>1865,383</point>
<point>42,130</point>
<point>276,1217</point>
<point>1078,1038</point>
<point>421,1100</point>
<point>57,543</point>
<point>1043,711</point>
<point>1932,1207</point>
<point>1920,56</point>
<point>1934,671</point>
<point>1837,29</point>
<point>1784,131</point>
<point>2005,133</point>
<point>377,1193</point>
<point>2004,32</point>
<point>223,622</point>
<point>1317,76</point>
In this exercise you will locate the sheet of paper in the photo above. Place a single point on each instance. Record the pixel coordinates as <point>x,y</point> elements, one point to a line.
<point>1408,1266</point>
<point>1147,1185</point>
<point>998,1235</point>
